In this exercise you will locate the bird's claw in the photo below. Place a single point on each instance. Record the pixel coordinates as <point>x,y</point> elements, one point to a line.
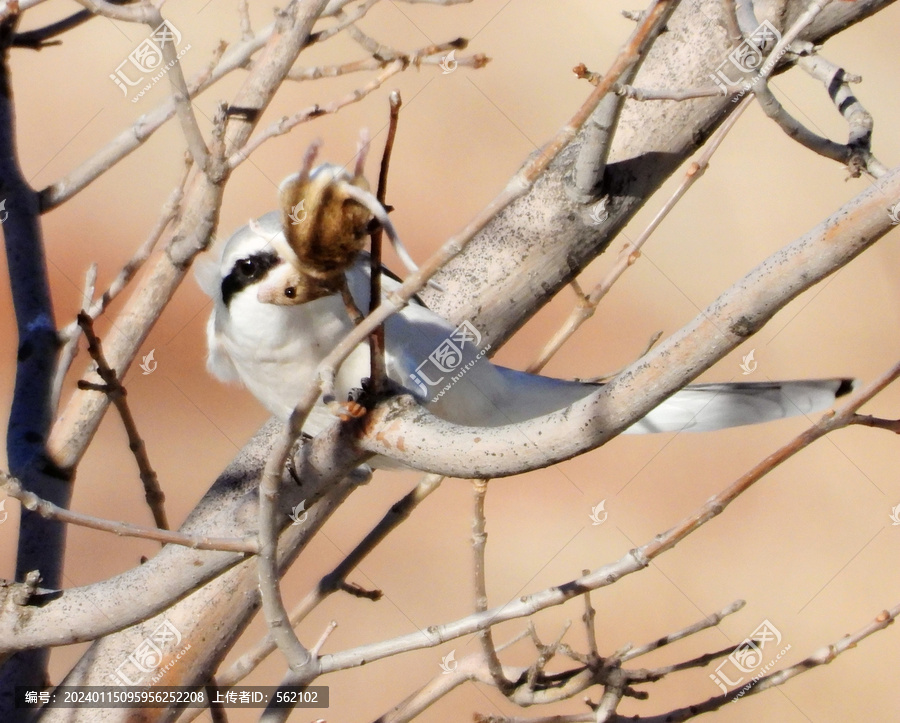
<point>345,411</point>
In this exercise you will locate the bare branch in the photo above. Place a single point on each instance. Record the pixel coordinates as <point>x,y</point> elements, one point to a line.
<point>42,37</point>
<point>114,389</point>
<point>71,336</point>
<point>122,145</point>
<point>286,123</point>
<point>41,542</point>
<point>708,622</point>
<point>376,338</point>
<point>479,543</point>
<point>48,510</point>
<point>589,627</point>
<point>334,581</point>
<point>867,420</point>
<point>244,17</point>
<point>440,447</point>
<point>72,332</point>
<point>168,214</point>
<point>418,58</point>
<point>822,656</point>
<point>149,15</point>
<point>642,94</point>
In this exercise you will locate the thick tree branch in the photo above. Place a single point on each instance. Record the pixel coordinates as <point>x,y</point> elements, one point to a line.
<point>512,268</point>
<point>407,433</point>
<point>41,542</point>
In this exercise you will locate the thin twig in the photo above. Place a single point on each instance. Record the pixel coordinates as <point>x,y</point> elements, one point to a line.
<point>71,336</point>
<point>48,510</point>
<point>822,656</point>
<point>286,123</point>
<point>42,37</point>
<point>479,544</point>
<point>244,19</point>
<point>344,20</point>
<point>329,629</point>
<point>169,213</point>
<point>376,338</point>
<point>590,629</point>
<point>867,420</point>
<point>642,94</point>
<point>708,622</point>
<point>150,16</point>
<point>116,392</point>
<point>417,58</point>
<point>224,61</point>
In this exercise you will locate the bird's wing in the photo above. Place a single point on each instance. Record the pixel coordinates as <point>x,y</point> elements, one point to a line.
<point>218,362</point>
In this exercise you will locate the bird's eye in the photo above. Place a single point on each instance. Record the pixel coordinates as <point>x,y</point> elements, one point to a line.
<point>247,266</point>
<point>290,292</point>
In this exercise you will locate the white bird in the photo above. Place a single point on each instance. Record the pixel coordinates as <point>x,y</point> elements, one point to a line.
<point>275,319</point>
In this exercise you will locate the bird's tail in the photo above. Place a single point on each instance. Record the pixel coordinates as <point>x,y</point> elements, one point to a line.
<point>696,408</point>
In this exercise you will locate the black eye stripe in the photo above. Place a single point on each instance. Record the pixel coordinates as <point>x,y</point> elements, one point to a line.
<point>244,274</point>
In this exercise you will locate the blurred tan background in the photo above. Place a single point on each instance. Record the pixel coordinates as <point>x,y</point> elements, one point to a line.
<point>811,548</point>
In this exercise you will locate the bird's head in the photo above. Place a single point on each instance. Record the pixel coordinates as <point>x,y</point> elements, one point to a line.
<point>299,253</point>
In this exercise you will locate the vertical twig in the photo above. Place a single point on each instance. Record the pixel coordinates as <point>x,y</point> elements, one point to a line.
<point>70,347</point>
<point>376,338</point>
<point>589,626</point>
<point>113,388</point>
<point>479,543</point>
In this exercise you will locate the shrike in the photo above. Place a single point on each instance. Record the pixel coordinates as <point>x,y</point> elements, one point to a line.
<point>280,288</point>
